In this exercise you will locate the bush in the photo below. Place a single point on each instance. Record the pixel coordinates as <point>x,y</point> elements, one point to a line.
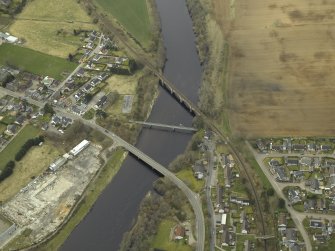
<point>29,144</point>
<point>7,171</point>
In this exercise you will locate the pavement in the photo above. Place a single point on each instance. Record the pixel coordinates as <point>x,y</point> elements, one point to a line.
<point>211,147</point>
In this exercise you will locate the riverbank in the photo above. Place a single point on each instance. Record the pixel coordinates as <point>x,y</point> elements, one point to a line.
<point>213,50</point>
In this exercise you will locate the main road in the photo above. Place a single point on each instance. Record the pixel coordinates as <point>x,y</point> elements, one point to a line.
<point>191,196</point>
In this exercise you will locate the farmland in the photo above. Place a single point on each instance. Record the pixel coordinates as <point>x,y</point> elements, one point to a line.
<point>34,62</point>
<point>280,66</point>
<point>47,26</point>
<point>133,15</point>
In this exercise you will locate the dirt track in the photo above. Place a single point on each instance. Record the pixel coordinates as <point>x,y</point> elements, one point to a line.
<point>281,66</point>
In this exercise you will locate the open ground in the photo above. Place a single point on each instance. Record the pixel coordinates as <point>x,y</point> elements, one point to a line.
<point>45,202</point>
<point>47,26</point>
<point>281,66</point>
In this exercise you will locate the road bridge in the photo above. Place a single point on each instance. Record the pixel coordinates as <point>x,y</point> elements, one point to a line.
<point>179,128</point>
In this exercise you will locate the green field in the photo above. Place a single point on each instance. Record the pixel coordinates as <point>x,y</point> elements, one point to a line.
<point>133,15</point>
<point>34,61</point>
<point>162,241</point>
<point>9,152</point>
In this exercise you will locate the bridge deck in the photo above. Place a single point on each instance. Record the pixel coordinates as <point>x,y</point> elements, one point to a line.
<point>165,126</point>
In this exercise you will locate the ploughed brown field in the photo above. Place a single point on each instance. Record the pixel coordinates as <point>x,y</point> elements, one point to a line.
<point>281,66</point>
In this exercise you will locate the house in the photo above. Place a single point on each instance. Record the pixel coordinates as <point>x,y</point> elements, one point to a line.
<point>87,88</point>
<point>6,37</point>
<point>325,148</point>
<point>293,196</point>
<point>219,196</point>
<point>95,81</point>
<point>299,147</point>
<point>261,145</point>
<point>290,237</point>
<point>20,119</point>
<point>80,73</point>
<point>314,184</point>
<point>178,232</point>
<point>306,161</point>
<point>13,86</point>
<point>319,238</point>
<point>311,147</point>
<point>298,175</point>
<point>321,204</point>
<point>331,180</point>
<point>103,76</point>
<point>282,222</point>
<point>245,224</point>
<point>247,245</point>
<point>281,174</point>
<point>227,176</point>
<point>292,161</point>
<point>239,201</point>
<point>198,170</point>
<point>55,120</point>
<point>101,102</point>
<point>47,81</point>
<point>227,238</point>
<point>11,129</point>
<point>45,126</point>
<point>309,204</point>
<point>66,122</point>
<point>314,223</point>
<point>295,247</point>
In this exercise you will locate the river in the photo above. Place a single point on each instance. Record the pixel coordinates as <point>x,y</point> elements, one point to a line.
<point>117,207</point>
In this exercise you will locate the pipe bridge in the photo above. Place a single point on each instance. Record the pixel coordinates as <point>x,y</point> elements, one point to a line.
<point>174,128</point>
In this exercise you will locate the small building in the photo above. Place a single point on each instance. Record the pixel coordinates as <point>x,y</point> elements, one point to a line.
<point>81,146</point>
<point>223,219</point>
<point>11,129</point>
<point>314,223</point>
<point>282,222</point>
<point>101,102</point>
<point>103,76</point>
<point>47,81</point>
<point>54,166</point>
<point>198,170</point>
<point>178,232</point>
<point>20,119</point>
<point>325,148</point>
<point>290,237</point>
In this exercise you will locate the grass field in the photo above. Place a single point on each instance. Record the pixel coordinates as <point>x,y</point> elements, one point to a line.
<point>280,66</point>
<point>33,164</point>
<point>133,15</point>
<point>40,22</point>
<point>34,61</point>
<point>162,240</point>
<point>9,152</point>
<point>124,85</point>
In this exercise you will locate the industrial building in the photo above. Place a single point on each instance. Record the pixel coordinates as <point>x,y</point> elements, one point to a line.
<point>54,166</point>
<point>81,146</point>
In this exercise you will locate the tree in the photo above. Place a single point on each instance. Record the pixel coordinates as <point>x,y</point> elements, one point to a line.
<point>270,192</point>
<point>48,109</point>
<point>70,57</point>
<point>281,203</point>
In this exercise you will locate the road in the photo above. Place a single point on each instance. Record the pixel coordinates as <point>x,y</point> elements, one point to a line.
<point>92,53</point>
<point>191,196</point>
<point>296,216</point>
<point>211,147</point>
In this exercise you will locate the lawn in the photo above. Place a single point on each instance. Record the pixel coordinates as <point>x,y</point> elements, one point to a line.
<point>162,241</point>
<point>133,15</point>
<point>9,152</point>
<point>33,164</point>
<point>187,176</point>
<point>34,61</point>
<point>47,26</point>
